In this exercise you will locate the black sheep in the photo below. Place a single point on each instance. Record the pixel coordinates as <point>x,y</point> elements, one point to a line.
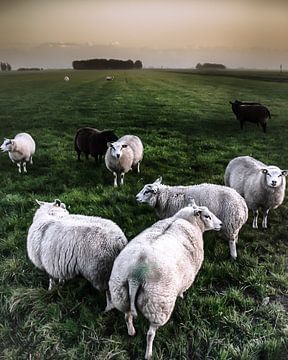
<point>93,142</point>
<point>251,112</point>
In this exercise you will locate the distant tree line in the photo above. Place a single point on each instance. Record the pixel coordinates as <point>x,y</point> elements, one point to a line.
<point>100,64</point>
<point>30,69</point>
<point>4,66</point>
<point>210,66</point>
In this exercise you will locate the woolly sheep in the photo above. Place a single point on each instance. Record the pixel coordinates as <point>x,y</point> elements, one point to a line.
<point>251,112</point>
<point>93,141</point>
<point>223,201</point>
<point>67,245</point>
<point>158,265</point>
<point>20,149</point>
<point>262,186</point>
<point>123,155</point>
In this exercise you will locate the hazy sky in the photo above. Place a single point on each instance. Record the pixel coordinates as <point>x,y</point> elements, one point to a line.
<point>179,33</point>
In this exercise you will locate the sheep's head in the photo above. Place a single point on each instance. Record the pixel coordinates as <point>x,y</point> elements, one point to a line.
<point>8,145</point>
<point>209,220</point>
<point>116,149</point>
<point>149,193</point>
<point>56,208</point>
<point>274,176</point>
<point>109,135</point>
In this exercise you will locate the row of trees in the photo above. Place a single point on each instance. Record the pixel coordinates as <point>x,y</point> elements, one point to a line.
<point>5,66</point>
<point>100,64</point>
<point>210,66</point>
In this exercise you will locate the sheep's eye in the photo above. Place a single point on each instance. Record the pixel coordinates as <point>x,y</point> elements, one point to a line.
<point>147,192</point>
<point>208,217</point>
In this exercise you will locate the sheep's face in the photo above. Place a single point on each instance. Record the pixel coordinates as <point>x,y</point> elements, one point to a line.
<point>274,176</point>
<point>116,149</point>
<point>149,193</point>
<point>7,145</point>
<point>56,208</point>
<point>210,221</point>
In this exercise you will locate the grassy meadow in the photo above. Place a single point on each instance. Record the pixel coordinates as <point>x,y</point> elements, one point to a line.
<point>234,310</point>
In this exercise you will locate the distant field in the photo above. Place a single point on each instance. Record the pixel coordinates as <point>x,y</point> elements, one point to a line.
<point>189,133</point>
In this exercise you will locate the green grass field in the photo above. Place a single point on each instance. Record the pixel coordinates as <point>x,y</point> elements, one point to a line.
<point>234,310</point>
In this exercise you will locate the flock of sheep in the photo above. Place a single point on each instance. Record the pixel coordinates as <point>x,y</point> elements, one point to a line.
<point>149,272</point>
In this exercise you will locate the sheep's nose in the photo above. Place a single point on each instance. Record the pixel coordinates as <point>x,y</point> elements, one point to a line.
<point>274,182</point>
<point>118,156</point>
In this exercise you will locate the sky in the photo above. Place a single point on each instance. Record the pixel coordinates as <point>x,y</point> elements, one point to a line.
<point>160,33</point>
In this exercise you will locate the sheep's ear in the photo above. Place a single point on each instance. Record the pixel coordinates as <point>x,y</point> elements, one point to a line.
<point>264,171</point>
<point>158,181</point>
<point>40,203</point>
<point>191,202</point>
<point>230,102</point>
<point>197,212</point>
<point>284,172</point>
<point>57,202</point>
<point>109,144</point>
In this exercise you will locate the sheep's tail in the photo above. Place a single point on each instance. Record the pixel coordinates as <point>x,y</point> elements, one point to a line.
<point>133,287</point>
<point>75,141</point>
<point>138,277</point>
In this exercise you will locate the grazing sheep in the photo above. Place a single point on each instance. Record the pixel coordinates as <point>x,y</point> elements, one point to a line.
<point>67,245</point>
<point>159,265</point>
<point>93,141</point>
<point>20,149</point>
<point>262,186</point>
<point>109,78</point>
<point>224,202</point>
<point>251,112</point>
<point>123,155</point>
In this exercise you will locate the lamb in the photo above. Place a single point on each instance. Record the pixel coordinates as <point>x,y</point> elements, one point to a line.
<point>159,265</point>
<point>93,141</point>
<point>251,112</point>
<point>262,186</point>
<point>20,150</point>
<point>223,201</point>
<point>123,155</point>
<point>67,245</point>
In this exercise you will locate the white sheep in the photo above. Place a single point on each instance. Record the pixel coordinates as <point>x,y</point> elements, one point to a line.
<point>158,265</point>
<point>123,155</point>
<point>67,245</point>
<point>223,201</point>
<point>20,149</point>
<point>262,186</point>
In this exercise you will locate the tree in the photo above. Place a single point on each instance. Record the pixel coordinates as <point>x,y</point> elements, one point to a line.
<point>138,64</point>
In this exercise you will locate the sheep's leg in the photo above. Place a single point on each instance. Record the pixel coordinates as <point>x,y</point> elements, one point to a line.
<point>24,167</point>
<point>265,217</point>
<point>31,161</point>
<point>87,156</point>
<point>51,283</point>
<point>129,323</point>
<point>115,179</point>
<point>232,247</point>
<point>138,167</point>
<point>264,127</point>
<point>61,281</point>
<point>122,178</point>
<point>109,304</point>
<point>19,167</point>
<point>255,219</point>
<point>150,338</point>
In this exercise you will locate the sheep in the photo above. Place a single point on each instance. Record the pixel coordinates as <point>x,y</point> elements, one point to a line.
<point>159,265</point>
<point>123,155</point>
<point>262,186</point>
<point>251,112</point>
<point>20,149</point>
<point>109,78</point>
<point>66,245</point>
<point>223,201</point>
<point>93,141</point>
